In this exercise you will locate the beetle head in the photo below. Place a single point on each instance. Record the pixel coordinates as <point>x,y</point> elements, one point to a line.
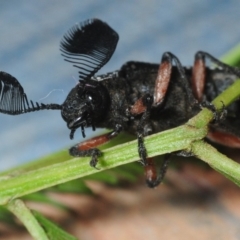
<point>85,105</point>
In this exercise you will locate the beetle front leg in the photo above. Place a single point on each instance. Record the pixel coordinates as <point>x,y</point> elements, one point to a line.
<point>94,153</point>
<point>88,148</point>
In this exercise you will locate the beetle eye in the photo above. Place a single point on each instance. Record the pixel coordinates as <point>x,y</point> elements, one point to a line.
<point>90,98</point>
<point>93,98</point>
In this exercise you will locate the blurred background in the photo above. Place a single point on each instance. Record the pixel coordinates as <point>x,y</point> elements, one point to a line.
<point>30,32</point>
<point>197,202</point>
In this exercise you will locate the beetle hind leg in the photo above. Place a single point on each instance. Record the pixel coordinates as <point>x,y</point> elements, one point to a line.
<point>198,79</point>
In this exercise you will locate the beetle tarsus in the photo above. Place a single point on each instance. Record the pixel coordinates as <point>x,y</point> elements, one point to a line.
<point>218,115</point>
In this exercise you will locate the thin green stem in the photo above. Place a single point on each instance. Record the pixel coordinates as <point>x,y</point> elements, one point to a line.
<point>18,208</point>
<point>232,57</point>
<point>157,144</point>
<point>217,160</point>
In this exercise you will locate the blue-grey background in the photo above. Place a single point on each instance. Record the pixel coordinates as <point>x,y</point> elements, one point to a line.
<point>30,32</point>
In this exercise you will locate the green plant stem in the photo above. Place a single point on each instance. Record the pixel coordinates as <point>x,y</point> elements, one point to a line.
<point>18,208</point>
<point>157,144</point>
<point>217,160</point>
<point>232,57</point>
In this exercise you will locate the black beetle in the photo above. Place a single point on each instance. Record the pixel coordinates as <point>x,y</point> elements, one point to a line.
<point>140,98</point>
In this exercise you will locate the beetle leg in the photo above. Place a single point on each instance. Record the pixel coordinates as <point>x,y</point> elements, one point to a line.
<point>198,76</point>
<point>222,131</point>
<point>225,67</point>
<point>88,148</point>
<point>224,138</point>
<point>153,178</point>
<point>199,72</point>
<point>145,104</point>
<point>164,77</point>
<point>138,107</point>
<point>217,115</point>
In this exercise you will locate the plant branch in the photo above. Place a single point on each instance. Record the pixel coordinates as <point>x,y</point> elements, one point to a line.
<point>18,208</point>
